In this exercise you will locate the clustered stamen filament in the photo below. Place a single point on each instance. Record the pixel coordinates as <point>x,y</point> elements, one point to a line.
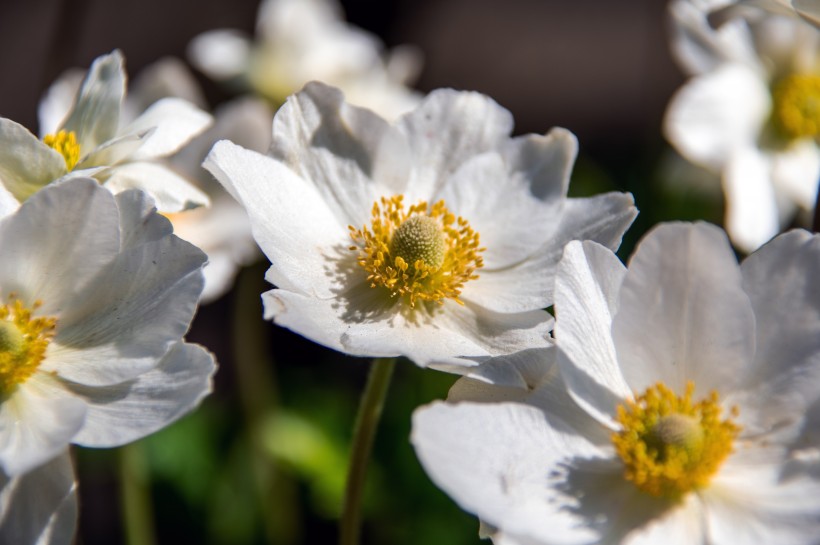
<point>796,108</point>
<point>670,445</point>
<point>424,253</point>
<point>23,342</point>
<point>65,143</point>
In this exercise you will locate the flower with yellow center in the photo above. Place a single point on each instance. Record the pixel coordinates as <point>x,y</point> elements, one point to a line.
<point>434,237</point>
<point>298,41</point>
<point>750,113</point>
<point>85,133</point>
<point>667,411</point>
<point>91,349</point>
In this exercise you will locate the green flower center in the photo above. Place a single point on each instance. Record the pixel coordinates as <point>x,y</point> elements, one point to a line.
<point>796,110</point>
<point>419,238</point>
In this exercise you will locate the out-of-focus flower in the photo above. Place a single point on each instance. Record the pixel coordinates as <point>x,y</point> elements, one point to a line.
<point>84,135</point>
<point>807,9</point>
<point>303,40</point>
<point>221,230</point>
<point>435,237</point>
<point>750,113</point>
<point>91,350</point>
<point>666,410</point>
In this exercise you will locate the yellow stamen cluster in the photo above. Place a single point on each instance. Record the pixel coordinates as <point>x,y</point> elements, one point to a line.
<point>64,143</point>
<point>670,445</point>
<point>797,106</point>
<point>424,253</point>
<point>23,342</point>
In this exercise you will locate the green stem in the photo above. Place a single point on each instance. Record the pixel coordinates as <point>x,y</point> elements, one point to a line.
<point>136,496</point>
<point>367,420</point>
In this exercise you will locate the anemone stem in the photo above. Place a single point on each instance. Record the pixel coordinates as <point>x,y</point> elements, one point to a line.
<point>367,420</point>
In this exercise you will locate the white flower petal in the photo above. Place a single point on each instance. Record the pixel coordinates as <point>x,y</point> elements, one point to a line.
<point>683,315</point>
<point>365,324</point>
<point>110,152</point>
<point>796,172</point>
<point>37,422</point>
<point>40,507</point>
<point>290,221</point>
<point>167,77</point>
<point>26,164</point>
<point>119,329</point>
<point>716,113</point>
<point>700,46</point>
<point>587,283</point>
<point>481,192</point>
<point>448,128</point>
<point>781,280</point>
<point>170,191</point>
<point>139,222</point>
<point>754,507</point>
<point>338,148</point>
<point>499,461</point>
<point>56,243</point>
<point>544,162</point>
<point>809,10</point>
<point>128,411</point>
<point>529,285</point>
<point>220,54</point>
<point>681,524</point>
<point>96,112</point>
<point>174,122</point>
<point>519,372</point>
<point>751,203</point>
<point>56,103</point>
<point>129,316</point>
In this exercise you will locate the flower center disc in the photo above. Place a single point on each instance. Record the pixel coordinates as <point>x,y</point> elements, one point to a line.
<point>669,445</point>
<point>64,143</point>
<point>23,343</point>
<point>424,253</point>
<point>797,106</point>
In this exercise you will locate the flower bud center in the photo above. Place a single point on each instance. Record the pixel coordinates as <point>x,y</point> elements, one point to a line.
<point>420,238</point>
<point>676,431</point>
<point>11,338</point>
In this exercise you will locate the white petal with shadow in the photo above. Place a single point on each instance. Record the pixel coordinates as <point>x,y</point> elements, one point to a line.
<point>40,507</point>
<point>37,422</point>
<point>128,411</point>
<point>587,285</point>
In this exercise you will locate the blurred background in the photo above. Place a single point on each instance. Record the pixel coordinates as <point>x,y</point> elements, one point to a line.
<point>263,460</point>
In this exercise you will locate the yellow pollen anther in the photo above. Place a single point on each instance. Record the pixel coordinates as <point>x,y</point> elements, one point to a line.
<point>670,445</point>
<point>23,342</point>
<point>424,253</point>
<point>64,143</point>
<point>796,109</point>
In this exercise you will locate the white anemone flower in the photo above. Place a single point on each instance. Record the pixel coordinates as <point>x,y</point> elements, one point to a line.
<point>95,296</point>
<point>87,137</point>
<point>221,230</point>
<point>665,412</point>
<point>435,237</point>
<point>749,113</point>
<point>303,40</point>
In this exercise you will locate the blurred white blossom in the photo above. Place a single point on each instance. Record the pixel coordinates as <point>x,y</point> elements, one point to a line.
<point>298,41</point>
<point>221,230</point>
<point>434,237</point>
<point>84,134</point>
<point>749,113</point>
<point>666,411</point>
